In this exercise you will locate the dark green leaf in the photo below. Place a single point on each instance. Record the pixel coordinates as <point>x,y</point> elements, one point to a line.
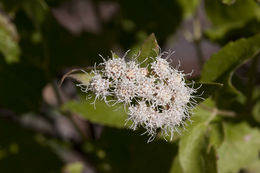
<point>230,57</point>
<point>221,66</point>
<point>225,33</point>
<point>149,50</point>
<point>231,22</point>
<point>206,89</point>
<point>241,11</point>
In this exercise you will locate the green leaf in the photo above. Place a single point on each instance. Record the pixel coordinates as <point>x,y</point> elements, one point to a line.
<point>229,2</point>
<point>221,66</point>
<point>149,50</point>
<point>211,161</point>
<point>230,57</point>
<point>253,167</point>
<point>220,14</point>
<point>227,32</point>
<point>256,103</point>
<point>176,167</point>
<point>216,134</point>
<point>9,40</point>
<point>239,149</point>
<point>192,145</point>
<point>255,111</point>
<point>231,22</point>
<point>194,155</point>
<point>98,113</point>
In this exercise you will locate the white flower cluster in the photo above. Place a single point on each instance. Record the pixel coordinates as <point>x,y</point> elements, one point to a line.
<point>155,97</point>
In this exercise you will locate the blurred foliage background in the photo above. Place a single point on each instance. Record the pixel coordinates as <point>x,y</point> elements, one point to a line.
<point>46,128</point>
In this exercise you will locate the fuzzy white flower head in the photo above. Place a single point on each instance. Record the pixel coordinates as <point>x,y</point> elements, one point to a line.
<point>99,86</point>
<point>157,97</point>
<point>125,91</point>
<point>114,68</point>
<point>163,94</point>
<point>132,70</point>
<point>145,88</point>
<point>161,66</point>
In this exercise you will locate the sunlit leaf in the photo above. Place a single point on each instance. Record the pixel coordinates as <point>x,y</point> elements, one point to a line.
<point>98,112</point>
<point>193,146</point>
<point>239,149</point>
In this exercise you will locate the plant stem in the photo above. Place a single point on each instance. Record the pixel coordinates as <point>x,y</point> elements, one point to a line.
<point>197,37</point>
<point>199,53</point>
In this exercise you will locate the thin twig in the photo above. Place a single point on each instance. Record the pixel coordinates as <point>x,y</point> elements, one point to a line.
<point>251,82</point>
